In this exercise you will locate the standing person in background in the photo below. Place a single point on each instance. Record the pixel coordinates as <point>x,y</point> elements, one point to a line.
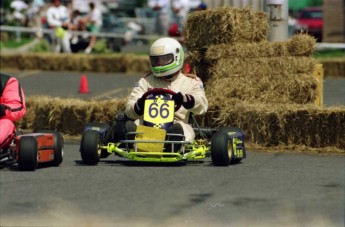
<point>19,15</point>
<point>162,10</point>
<point>12,108</point>
<point>202,6</point>
<point>291,23</point>
<point>35,12</point>
<point>58,18</point>
<point>194,4</point>
<point>93,24</point>
<point>180,9</point>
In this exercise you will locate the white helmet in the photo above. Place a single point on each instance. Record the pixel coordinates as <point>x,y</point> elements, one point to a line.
<point>166,57</point>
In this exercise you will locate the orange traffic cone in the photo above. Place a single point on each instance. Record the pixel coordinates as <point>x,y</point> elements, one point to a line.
<point>84,87</point>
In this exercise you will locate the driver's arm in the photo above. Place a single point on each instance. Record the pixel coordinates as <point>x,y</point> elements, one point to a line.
<point>13,100</point>
<point>140,88</point>
<point>201,103</point>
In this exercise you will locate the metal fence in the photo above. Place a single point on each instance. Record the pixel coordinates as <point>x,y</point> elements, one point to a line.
<point>319,46</point>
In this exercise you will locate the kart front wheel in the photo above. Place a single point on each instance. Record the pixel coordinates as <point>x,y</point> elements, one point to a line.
<point>221,152</point>
<point>105,135</point>
<point>90,147</point>
<point>27,153</point>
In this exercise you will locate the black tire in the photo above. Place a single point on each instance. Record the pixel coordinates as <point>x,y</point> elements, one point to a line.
<point>221,152</point>
<point>227,129</point>
<point>27,153</point>
<point>106,139</point>
<point>89,147</point>
<point>58,146</point>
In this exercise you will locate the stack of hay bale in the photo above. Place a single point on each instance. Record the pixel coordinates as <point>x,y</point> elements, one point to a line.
<point>68,115</point>
<point>266,88</point>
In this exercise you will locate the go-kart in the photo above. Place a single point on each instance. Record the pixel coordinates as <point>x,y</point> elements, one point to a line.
<point>30,150</point>
<point>225,145</point>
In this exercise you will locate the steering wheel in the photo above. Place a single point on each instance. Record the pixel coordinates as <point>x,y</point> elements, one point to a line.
<point>156,91</point>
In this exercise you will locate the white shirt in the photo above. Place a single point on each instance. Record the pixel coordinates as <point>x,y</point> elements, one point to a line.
<point>163,4</point>
<point>18,6</point>
<point>57,15</point>
<point>183,6</point>
<point>193,4</point>
<point>96,17</point>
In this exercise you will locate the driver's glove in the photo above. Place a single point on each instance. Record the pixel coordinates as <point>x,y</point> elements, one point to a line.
<point>139,106</point>
<point>187,101</point>
<point>2,110</point>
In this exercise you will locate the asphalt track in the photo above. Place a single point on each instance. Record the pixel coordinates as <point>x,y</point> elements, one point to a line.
<point>266,189</point>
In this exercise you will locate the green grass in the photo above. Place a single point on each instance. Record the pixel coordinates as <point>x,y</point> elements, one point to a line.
<point>14,44</point>
<point>329,54</point>
<point>42,46</point>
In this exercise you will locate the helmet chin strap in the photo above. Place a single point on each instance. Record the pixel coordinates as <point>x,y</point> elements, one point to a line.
<point>169,77</point>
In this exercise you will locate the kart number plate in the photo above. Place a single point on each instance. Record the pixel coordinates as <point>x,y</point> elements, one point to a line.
<point>159,111</point>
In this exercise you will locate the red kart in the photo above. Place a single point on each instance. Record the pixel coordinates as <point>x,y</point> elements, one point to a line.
<point>30,150</point>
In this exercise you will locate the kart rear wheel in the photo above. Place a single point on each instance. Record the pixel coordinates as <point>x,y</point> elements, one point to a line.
<point>27,153</point>
<point>90,147</point>
<point>58,146</point>
<point>221,152</point>
<point>227,129</point>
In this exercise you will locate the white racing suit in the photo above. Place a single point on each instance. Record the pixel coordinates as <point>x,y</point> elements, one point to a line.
<point>186,84</point>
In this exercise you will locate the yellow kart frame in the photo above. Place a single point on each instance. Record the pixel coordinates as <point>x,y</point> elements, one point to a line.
<point>225,146</point>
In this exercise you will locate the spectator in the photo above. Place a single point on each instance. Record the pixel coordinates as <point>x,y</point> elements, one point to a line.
<point>180,9</point>
<point>77,25</point>
<point>193,5</point>
<point>35,12</point>
<point>19,7</point>
<point>291,23</point>
<point>93,24</point>
<point>133,29</point>
<point>202,6</point>
<point>12,108</point>
<point>58,19</point>
<point>162,13</point>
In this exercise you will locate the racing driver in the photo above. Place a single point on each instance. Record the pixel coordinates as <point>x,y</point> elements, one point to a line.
<point>166,61</point>
<point>12,107</point>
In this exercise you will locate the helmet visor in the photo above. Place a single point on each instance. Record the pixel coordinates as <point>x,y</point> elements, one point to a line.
<point>161,60</point>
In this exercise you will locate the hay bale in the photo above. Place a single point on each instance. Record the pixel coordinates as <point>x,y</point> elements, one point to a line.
<point>301,45</point>
<point>298,45</point>
<point>255,58</point>
<point>269,88</point>
<point>198,64</point>
<point>282,125</point>
<point>225,25</point>
<point>67,115</point>
<point>76,62</point>
<point>262,66</point>
<point>334,67</point>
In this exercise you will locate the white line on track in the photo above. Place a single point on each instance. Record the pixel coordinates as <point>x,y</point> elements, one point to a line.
<point>27,73</point>
<point>109,93</point>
